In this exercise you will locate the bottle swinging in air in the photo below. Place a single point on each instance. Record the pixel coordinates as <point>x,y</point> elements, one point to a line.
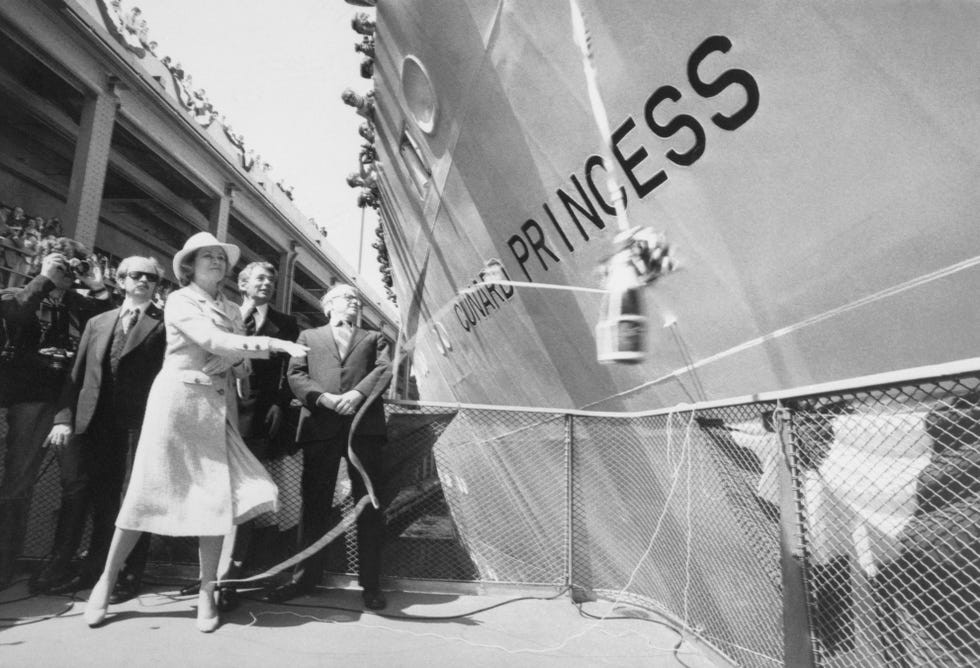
<point>622,328</point>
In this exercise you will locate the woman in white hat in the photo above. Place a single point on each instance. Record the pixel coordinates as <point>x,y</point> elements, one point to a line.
<point>192,474</point>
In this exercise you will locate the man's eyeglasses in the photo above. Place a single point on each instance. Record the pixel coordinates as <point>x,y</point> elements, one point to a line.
<point>137,275</point>
<point>349,298</point>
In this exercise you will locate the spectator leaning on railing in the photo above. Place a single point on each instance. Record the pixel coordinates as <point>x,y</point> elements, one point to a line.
<point>936,577</point>
<point>40,325</point>
<point>20,235</point>
<point>5,212</point>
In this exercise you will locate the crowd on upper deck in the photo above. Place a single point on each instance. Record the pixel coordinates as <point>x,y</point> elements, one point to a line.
<point>25,238</point>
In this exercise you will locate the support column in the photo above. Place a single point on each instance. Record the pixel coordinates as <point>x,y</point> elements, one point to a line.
<point>799,648</point>
<point>89,166</point>
<point>284,287</point>
<point>220,211</point>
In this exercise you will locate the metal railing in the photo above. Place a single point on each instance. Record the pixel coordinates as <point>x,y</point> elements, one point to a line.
<point>15,264</point>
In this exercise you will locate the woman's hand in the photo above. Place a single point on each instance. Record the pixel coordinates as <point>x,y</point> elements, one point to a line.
<point>288,347</point>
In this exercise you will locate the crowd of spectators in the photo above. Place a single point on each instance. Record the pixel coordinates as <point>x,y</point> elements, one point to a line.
<point>24,240</point>
<point>20,236</point>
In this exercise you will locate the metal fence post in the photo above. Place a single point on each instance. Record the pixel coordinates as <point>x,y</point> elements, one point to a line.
<point>569,541</point>
<point>798,643</point>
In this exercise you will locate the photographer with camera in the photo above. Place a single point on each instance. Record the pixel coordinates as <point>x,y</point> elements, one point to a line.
<point>40,326</point>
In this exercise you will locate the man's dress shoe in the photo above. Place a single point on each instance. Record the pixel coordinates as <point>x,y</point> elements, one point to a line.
<point>126,589</point>
<point>69,585</point>
<point>287,592</point>
<point>374,599</point>
<point>55,575</point>
<point>228,599</point>
<point>191,590</point>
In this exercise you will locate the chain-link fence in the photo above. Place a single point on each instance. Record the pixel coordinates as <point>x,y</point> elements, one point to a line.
<point>668,509</point>
<point>698,514</point>
<point>889,486</point>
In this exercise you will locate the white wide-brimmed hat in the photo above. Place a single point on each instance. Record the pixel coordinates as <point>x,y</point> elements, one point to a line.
<point>203,240</point>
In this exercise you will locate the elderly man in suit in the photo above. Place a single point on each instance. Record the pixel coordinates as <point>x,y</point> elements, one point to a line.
<point>263,407</point>
<point>98,426</point>
<point>347,364</point>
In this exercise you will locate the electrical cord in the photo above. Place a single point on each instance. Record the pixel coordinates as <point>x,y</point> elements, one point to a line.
<point>18,600</point>
<point>44,469</point>
<point>158,583</point>
<point>24,621</point>
<point>11,584</point>
<point>433,618</point>
<point>352,610</point>
<point>20,621</point>
<point>680,637</point>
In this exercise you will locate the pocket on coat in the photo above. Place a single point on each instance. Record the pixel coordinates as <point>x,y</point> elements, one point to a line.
<point>192,377</point>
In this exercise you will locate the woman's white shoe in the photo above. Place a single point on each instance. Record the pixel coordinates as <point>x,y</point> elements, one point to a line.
<point>207,611</point>
<point>98,603</point>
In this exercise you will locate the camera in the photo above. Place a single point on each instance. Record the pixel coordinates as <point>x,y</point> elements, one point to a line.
<point>79,267</point>
<point>55,359</point>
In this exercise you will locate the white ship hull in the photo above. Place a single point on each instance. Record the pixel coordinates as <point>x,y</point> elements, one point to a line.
<point>814,167</point>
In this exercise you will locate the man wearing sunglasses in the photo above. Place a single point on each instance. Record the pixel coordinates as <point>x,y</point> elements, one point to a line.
<point>98,425</point>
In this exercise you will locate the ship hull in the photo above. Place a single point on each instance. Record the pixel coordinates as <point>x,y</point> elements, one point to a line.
<point>813,167</point>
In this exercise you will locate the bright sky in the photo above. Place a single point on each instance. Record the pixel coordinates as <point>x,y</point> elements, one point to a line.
<point>276,71</point>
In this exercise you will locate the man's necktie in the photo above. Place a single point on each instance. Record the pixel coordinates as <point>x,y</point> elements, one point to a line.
<point>250,322</point>
<point>129,320</point>
<point>125,325</point>
<point>342,333</point>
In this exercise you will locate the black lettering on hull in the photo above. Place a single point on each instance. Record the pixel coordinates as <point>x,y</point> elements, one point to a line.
<point>684,143</point>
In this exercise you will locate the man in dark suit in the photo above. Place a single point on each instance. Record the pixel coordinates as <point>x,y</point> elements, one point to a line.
<point>346,365</point>
<point>98,425</point>
<point>263,408</point>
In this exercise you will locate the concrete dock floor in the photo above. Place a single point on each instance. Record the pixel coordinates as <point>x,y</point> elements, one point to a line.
<point>330,628</point>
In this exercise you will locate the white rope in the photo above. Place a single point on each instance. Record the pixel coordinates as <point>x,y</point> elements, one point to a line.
<point>345,523</point>
<point>656,531</point>
<point>676,475</point>
<point>582,38</point>
<point>802,324</point>
<point>527,284</point>
<point>748,650</point>
<point>448,638</point>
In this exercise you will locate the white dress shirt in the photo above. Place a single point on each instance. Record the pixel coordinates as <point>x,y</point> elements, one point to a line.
<point>127,308</point>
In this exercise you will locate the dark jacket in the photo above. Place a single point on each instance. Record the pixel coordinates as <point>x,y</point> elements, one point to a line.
<point>31,322</point>
<point>946,524</point>
<point>90,389</point>
<point>937,574</point>
<point>365,365</point>
<point>267,386</point>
